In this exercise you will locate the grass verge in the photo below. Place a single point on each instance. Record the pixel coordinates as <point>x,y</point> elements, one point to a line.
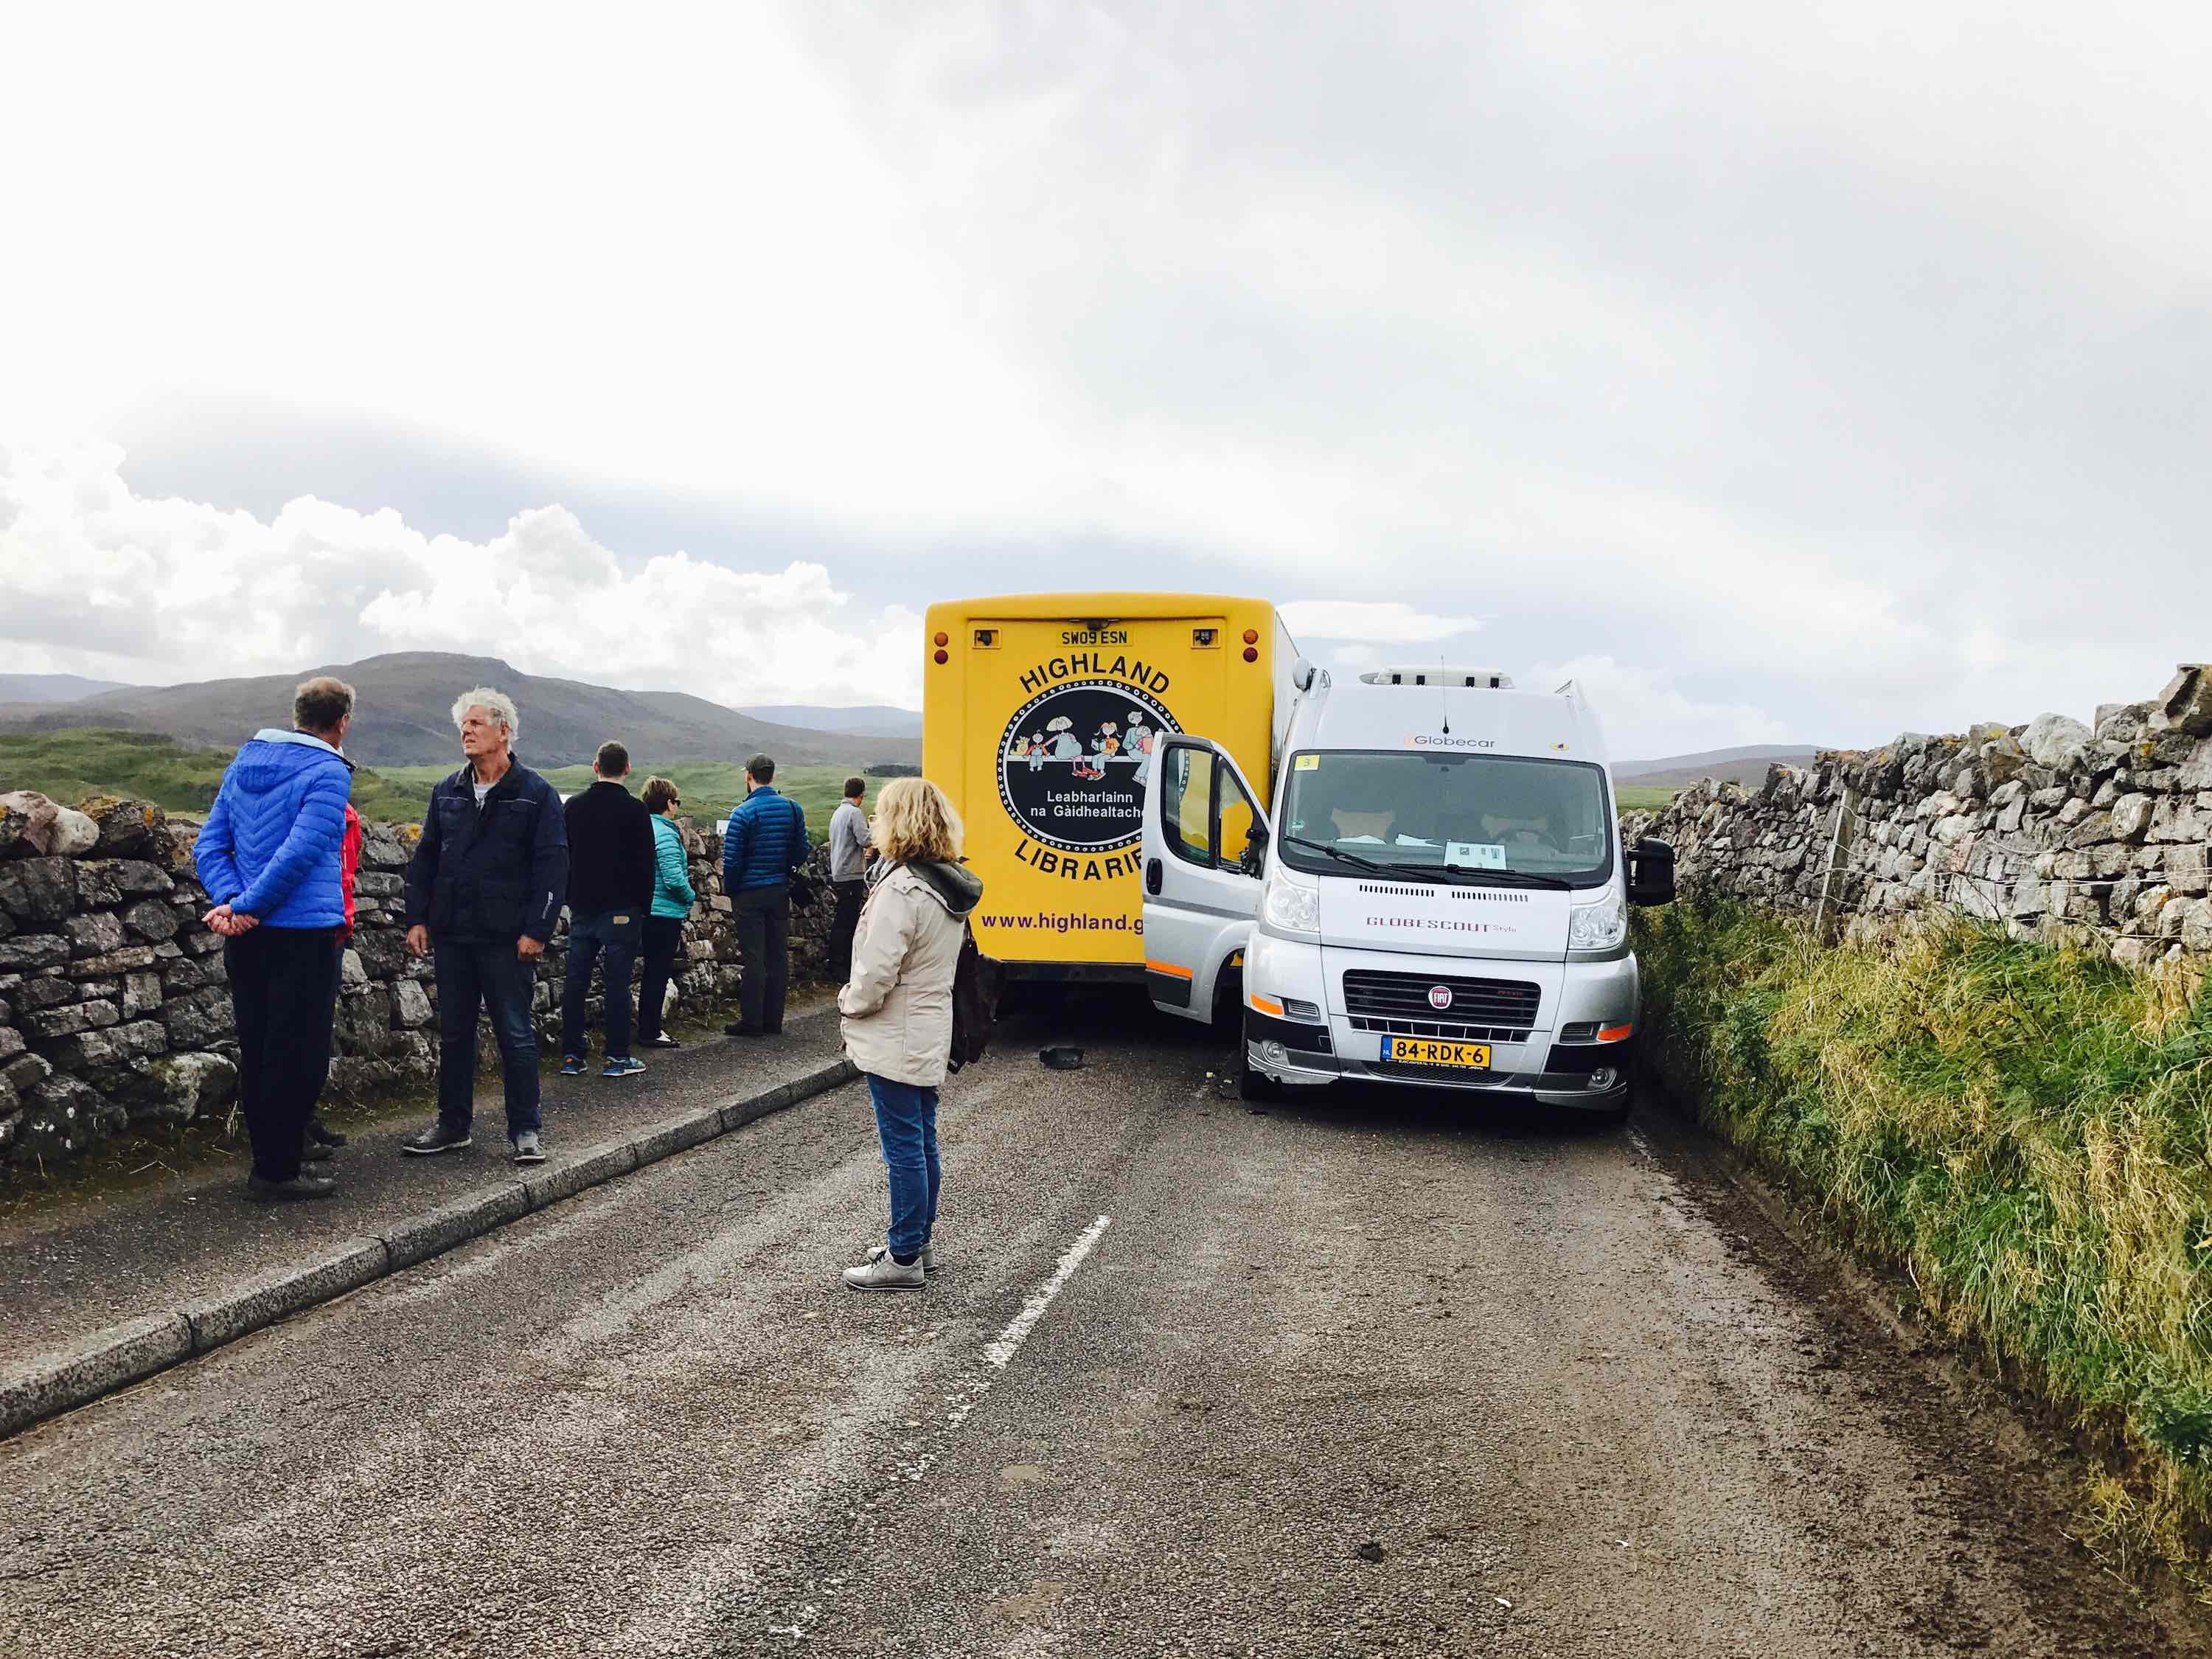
<point>2027,1132</point>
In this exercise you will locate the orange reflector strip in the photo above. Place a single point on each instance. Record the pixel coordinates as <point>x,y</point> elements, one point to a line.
<point>1265,1005</point>
<point>1616,1033</point>
<point>1170,970</point>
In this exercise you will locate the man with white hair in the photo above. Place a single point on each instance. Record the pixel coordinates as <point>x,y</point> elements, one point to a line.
<point>484,888</point>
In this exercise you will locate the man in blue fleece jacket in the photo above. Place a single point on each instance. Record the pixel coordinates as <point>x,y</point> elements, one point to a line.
<point>269,856</point>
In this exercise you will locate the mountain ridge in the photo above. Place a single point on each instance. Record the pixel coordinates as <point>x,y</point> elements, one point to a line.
<point>868,719</point>
<point>403,716</point>
<point>40,689</point>
<point>1745,765</point>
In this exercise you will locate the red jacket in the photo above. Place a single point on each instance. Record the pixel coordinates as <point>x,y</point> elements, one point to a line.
<point>349,866</point>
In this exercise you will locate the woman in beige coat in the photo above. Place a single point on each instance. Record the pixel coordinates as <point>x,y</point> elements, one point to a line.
<point>898,1009</point>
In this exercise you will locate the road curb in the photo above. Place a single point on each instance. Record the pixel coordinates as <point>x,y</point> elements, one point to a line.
<point>83,1371</point>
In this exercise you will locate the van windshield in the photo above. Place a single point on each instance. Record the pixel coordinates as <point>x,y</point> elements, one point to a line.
<point>1467,817</point>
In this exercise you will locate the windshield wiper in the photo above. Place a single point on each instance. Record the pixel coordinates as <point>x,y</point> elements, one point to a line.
<point>1525,878</point>
<point>1431,873</point>
<point>1339,854</point>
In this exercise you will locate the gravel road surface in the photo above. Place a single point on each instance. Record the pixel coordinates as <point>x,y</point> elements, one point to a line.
<point>1375,1375</point>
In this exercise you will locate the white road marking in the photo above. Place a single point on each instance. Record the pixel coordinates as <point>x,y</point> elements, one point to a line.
<point>969,1390</point>
<point>967,1393</point>
<point>1011,1340</point>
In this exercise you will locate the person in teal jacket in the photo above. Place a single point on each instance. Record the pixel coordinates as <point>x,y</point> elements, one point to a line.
<point>672,899</point>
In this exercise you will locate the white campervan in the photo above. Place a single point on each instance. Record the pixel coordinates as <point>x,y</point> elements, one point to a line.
<point>1442,898</point>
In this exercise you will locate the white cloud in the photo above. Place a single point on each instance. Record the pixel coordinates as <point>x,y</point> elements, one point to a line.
<point>161,590</point>
<point>1646,715</point>
<point>1381,622</point>
<point>1851,358</point>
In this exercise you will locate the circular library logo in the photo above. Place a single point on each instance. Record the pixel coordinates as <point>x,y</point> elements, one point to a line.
<point>1075,760</point>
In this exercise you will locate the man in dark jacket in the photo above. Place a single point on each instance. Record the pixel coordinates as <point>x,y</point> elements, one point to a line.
<point>269,856</point>
<point>484,888</point>
<point>610,868</point>
<point>764,844</point>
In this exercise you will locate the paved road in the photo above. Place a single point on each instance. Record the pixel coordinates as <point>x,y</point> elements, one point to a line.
<point>1367,1378</point>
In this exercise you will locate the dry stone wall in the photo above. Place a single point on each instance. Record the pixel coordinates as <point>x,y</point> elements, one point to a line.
<point>114,1010</point>
<point>2099,835</point>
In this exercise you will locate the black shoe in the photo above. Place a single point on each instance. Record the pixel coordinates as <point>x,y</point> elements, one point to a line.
<point>438,1138</point>
<point>663,1041</point>
<point>739,1028</point>
<point>312,1152</point>
<point>322,1134</point>
<point>299,1187</point>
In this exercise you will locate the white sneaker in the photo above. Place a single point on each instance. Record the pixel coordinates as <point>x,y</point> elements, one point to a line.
<point>928,1262</point>
<point>883,1273</point>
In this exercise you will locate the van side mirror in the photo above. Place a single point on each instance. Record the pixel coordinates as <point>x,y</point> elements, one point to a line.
<point>1652,873</point>
<point>1253,860</point>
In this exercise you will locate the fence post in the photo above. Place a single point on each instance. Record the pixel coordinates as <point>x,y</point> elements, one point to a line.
<point>1841,833</point>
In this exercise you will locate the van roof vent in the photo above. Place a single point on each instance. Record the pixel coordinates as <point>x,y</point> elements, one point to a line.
<point>1480,679</point>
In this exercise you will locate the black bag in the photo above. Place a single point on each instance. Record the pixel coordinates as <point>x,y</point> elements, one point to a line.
<point>971,1004</point>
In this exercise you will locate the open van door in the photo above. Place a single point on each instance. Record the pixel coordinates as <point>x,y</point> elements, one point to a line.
<point>1204,849</point>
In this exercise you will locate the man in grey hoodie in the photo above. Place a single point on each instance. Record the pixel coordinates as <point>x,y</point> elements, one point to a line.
<point>850,855</point>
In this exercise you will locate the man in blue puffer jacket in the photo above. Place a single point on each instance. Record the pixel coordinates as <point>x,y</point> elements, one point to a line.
<point>269,856</point>
<point>764,844</point>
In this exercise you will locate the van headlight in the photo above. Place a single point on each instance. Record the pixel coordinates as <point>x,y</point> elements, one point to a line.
<point>1599,927</point>
<point>1290,907</point>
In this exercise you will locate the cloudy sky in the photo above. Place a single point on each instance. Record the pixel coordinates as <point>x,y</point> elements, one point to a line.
<point>1786,373</point>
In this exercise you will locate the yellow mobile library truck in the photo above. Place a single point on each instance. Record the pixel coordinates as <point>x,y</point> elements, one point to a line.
<point>1042,715</point>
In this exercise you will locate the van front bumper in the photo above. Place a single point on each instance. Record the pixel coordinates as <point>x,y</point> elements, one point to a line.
<point>1330,1047</point>
<point>1303,1067</point>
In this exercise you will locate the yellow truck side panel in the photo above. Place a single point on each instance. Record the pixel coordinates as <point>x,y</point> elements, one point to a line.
<point>1041,724</point>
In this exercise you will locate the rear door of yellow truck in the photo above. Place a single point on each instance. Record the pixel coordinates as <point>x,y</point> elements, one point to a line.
<point>1042,713</point>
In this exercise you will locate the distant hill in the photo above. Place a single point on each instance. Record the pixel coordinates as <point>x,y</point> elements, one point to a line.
<point>404,718</point>
<point>877,719</point>
<point>1745,766</point>
<point>52,688</point>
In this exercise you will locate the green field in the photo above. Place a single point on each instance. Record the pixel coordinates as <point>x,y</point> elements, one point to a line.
<point>709,788</point>
<point>67,765</point>
<point>1644,798</point>
<point>70,765</point>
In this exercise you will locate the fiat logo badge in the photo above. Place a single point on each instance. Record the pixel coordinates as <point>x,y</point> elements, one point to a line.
<point>1440,997</point>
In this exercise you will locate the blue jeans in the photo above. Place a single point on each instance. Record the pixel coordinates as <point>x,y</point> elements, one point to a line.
<point>906,1120</point>
<point>491,977</point>
<point>587,936</point>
